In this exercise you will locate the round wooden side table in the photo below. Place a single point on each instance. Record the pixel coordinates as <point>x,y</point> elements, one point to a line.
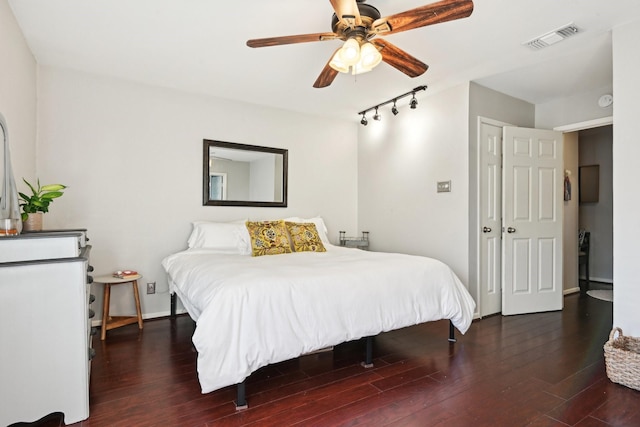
<point>109,322</point>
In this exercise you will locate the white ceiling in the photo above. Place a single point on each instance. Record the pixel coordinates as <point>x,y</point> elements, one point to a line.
<point>199,46</point>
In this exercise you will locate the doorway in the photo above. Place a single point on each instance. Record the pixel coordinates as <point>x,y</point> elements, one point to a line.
<point>489,281</point>
<point>520,177</point>
<point>587,144</point>
<point>595,148</point>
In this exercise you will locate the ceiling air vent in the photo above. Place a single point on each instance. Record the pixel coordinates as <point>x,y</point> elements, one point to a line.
<point>552,37</point>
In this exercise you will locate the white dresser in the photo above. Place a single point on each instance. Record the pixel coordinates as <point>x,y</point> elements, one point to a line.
<point>45,329</point>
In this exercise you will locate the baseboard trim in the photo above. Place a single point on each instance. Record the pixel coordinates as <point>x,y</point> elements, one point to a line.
<point>571,291</point>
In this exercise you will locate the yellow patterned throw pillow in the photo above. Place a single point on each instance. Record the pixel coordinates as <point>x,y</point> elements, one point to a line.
<point>268,238</point>
<point>304,236</point>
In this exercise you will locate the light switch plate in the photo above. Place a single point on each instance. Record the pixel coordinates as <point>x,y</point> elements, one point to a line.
<point>444,186</point>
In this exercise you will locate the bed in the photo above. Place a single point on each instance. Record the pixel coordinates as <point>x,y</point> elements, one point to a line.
<point>252,311</point>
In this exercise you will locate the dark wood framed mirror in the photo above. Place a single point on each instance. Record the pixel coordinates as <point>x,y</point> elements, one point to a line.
<point>243,175</point>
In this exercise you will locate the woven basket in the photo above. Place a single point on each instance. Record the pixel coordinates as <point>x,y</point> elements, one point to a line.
<point>622,358</point>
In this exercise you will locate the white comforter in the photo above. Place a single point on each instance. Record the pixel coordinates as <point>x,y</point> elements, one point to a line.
<point>254,311</point>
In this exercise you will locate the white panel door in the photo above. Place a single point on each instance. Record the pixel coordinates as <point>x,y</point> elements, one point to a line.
<point>532,191</point>
<point>490,223</point>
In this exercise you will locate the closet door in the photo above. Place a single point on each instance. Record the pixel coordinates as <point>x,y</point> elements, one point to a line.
<point>532,195</point>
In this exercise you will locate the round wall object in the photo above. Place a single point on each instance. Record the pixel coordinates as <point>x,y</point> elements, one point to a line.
<point>605,100</point>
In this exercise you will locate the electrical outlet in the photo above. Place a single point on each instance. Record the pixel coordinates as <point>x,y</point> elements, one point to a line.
<point>444,186</point>
<point>151,288</point>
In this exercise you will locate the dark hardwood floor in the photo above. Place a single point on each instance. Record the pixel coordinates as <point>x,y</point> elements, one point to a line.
<point>542,369</point>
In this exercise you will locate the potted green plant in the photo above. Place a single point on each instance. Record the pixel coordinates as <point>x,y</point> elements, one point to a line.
<point>37,203</point>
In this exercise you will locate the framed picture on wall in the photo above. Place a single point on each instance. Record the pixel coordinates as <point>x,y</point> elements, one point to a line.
<point>589,183</point>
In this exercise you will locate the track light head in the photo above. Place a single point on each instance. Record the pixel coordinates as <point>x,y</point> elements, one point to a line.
<point>414,102</point>
<point>377,116</point>
<point>394,109</point>
<point>364,121</point>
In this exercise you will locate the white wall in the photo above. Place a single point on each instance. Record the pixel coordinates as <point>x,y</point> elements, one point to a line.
<point>573,109</point>
<point>400,160</point>
<point>132,158</point>
<point>18,73</point>
<point>626,174</point>
<point>261,188</point>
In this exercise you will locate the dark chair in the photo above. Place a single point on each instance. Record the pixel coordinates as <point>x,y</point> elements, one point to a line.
<point>584,238</point>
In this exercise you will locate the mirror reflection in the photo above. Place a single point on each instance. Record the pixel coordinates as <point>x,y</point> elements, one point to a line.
<point>244,175</point>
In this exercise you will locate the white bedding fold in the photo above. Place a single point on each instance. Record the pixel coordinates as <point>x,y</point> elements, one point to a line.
<point>254,311</point>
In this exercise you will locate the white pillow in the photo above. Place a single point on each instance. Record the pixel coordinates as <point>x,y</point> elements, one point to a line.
<point>223,237</point>
<point>320,226</point>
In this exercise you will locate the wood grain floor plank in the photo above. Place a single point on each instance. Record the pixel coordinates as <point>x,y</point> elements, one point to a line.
<point>583,404</point>
<point>621,407</point>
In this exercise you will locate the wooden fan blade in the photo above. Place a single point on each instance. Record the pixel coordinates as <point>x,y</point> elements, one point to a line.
<point>434,13</point>
<point>302,38</point>
<point>347,12</point>
<point>399,59</point>
<point>327,75</point>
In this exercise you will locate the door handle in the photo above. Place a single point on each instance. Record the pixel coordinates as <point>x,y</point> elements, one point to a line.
<point>486,230</point>
<point>511,230</point>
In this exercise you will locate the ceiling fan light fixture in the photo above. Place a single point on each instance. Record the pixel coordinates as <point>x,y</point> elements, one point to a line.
<point>370,57</point>
<point>355,23</point>
<point>350,52</point>
<point>359,69</point>
<point>337,64</point>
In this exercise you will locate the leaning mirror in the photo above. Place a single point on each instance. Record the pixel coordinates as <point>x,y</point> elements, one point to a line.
<point>243,175</point>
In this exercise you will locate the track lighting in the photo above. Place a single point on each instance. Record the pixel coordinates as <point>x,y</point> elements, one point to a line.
<point>412,104</point>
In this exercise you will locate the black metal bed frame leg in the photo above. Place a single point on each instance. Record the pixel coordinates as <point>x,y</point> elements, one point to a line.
<point>452,332</point>
<point>241,400</point>
<point>368,359</point>
<point>173,305</point>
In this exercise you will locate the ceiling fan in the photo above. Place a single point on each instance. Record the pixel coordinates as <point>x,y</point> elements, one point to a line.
<point>357,23</point>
